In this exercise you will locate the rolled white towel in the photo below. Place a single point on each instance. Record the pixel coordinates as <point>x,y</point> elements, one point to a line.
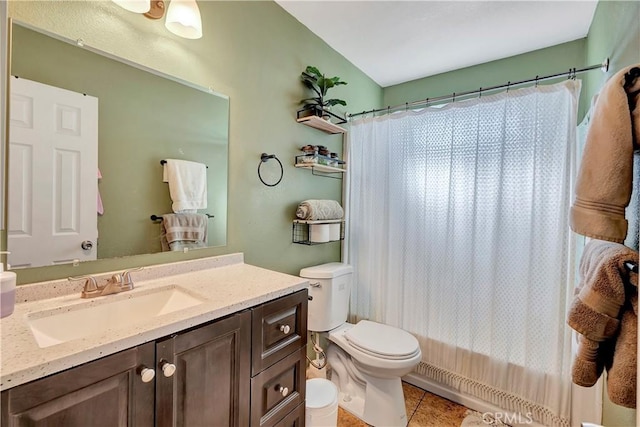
<point>319,210</point>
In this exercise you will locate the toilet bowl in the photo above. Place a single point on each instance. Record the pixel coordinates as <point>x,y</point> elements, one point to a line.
<point>367,370</point>
<point>366,359</point>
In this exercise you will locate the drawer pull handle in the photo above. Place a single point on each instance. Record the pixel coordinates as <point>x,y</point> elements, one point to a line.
<point>147,374</point>
<point>284,391</point>
<point>285,329</point>
<point>168,369</point>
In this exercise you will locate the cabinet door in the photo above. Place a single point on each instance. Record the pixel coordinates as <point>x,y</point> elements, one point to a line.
<point>211,383</point>
<point>279,329</point>
<point>108,392</point>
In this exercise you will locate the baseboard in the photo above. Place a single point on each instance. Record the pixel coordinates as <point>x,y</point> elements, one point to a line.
<point>469,401</point>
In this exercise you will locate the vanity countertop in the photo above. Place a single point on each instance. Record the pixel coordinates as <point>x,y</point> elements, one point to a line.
<point>225,285</point>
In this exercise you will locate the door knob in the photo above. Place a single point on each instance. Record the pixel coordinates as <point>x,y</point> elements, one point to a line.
<point>86,245</point>
<point>168,369</point>
<point>147,374</point>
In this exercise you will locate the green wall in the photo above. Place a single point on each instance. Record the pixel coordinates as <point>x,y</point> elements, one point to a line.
<point>143,118</point>
<point>253,52</point>
<point>614,33</point>
<point>551,60</point>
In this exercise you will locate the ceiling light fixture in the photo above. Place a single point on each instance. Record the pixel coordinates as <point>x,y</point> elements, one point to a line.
<point>183,16</point>
<point>183,19</point>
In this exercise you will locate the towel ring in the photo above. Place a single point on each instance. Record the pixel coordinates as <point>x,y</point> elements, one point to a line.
<point>265,158</point>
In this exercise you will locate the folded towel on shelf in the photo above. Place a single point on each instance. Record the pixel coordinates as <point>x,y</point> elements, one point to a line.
<point>319,210</point>
<point>603,186</point>
<point>602,314</point>
<point>183,230</point>
<point>187,184</point>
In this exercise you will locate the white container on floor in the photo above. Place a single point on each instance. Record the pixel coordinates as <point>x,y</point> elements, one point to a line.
<point>319,233</point>
<point>321,403</point>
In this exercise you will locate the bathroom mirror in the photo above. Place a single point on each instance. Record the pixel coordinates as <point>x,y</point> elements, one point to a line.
<point>143,117</point>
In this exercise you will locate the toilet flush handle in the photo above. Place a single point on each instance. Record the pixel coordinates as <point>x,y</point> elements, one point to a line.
<point>315,284</point>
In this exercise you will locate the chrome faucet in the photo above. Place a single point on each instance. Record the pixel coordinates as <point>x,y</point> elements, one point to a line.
<point>116,284</point>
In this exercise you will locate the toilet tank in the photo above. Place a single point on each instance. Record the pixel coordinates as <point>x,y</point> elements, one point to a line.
<point>330,289</point>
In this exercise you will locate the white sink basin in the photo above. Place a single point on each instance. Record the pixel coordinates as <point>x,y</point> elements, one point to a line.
<point>96,316</point>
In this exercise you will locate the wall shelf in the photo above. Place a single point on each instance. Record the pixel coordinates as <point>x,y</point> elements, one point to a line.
<point>321,168</point>
<point>321,165</point>
<point>321,124</point>
<point>313,116</point>
<point>302,233</point>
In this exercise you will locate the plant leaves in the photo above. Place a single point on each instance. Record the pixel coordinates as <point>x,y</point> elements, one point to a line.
<point>311,85</point>
<point>332,102</point>
<point>313,70</point>
<point>313,79</point>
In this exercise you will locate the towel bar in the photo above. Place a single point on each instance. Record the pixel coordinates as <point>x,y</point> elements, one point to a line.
<point>159,217</point>
<point>164,162</point>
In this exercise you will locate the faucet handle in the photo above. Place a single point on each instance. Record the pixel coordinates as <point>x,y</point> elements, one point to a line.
<point>126,276</point>
<point>90,289</point>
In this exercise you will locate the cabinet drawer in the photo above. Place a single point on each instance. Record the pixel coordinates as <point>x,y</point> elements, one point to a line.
<point>279,328</point>
<point>295,418</point>
<point>278,390</point>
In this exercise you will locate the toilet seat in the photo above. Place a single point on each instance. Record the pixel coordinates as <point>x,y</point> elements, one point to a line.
<point>382,341</point>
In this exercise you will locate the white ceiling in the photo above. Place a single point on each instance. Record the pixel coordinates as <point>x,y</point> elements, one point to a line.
<point>396,41</point>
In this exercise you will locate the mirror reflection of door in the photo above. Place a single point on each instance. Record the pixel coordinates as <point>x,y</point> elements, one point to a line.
<point>53,164</point>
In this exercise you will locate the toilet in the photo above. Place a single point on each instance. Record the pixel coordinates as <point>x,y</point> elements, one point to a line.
<point>366,359</point>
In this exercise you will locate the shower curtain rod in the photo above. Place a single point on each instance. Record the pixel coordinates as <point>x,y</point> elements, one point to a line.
<point>425,102</point>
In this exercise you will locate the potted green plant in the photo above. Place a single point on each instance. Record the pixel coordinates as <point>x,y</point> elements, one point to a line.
<point>320,84</point>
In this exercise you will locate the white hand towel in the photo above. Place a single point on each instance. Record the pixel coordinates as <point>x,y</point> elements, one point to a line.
<point>187,184</point>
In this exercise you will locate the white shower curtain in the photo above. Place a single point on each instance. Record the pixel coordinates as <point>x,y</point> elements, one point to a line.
<point>458,233</point>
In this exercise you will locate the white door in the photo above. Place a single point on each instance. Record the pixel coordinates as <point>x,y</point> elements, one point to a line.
<point>53,164</point>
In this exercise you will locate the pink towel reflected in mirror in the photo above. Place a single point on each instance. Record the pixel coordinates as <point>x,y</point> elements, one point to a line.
<point>100,207</point>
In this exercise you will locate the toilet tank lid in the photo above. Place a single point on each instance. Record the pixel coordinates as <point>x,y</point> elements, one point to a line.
<point>326,271</point>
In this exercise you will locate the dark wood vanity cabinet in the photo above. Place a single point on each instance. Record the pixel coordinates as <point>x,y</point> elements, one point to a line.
<point>107,392</point>
<point>208,370</point>
<point>203,377</point>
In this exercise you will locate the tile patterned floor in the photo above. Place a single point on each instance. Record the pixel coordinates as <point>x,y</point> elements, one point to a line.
<point>423,410</point>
